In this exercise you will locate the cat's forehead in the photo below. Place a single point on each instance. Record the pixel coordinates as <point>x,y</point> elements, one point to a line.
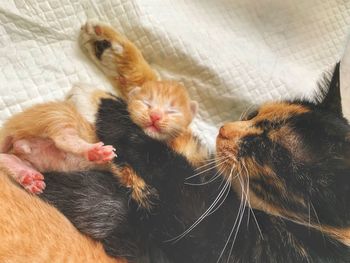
<point>280,111</point>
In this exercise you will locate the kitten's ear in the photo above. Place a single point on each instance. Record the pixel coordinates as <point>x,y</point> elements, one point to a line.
<point>133,91</point>
<point>331,93</point>
<point>194,107</point>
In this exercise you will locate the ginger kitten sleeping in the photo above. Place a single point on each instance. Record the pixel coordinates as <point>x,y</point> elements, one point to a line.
<point>163,109</point>
<point>50,137</point>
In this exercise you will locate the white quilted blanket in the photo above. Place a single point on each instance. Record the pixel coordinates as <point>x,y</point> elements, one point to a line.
<point>229,53</point>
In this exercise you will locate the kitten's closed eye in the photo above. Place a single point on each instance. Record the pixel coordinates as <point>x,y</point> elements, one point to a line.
<point>147,103</point>
<point>173,111</point>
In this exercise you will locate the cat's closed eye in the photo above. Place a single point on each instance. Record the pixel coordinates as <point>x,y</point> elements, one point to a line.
<point>250,114</point>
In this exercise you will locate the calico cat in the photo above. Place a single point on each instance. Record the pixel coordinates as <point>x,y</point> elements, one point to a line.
<point>294,208</point>
<point>292,161</point>
<point>33,231</point>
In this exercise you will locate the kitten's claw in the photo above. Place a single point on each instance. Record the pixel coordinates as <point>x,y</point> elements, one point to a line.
<point>100,153</point>
<point>32,181</point>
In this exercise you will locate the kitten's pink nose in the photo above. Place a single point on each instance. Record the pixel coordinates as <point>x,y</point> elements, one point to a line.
<point>155,116</point>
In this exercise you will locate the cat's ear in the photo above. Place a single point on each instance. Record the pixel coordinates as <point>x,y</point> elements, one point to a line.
<point>194,107</point>
<point>331,93</point>
<point>133,91</point>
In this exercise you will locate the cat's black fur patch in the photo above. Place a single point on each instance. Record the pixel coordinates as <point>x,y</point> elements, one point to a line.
<point>180,205</point>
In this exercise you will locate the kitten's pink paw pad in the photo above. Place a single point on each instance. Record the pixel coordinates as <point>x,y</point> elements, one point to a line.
<point>32,181</point>
<point>100,153</point>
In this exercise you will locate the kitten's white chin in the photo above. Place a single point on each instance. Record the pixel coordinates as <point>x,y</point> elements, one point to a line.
<point>156,134</point>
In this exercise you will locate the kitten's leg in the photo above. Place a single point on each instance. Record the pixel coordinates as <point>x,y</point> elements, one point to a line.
<point>23,173</point>
<point>115,55</point>
<point>68,140</point>
<point>143,194</point>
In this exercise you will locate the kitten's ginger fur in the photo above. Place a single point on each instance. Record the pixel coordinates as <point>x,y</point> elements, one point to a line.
<point>34,231</point>
<point>123,62</point>
<point>134,78</point>
<point>48,137</point>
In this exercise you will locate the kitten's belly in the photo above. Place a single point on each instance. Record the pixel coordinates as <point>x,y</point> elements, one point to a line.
<point>45,157</point>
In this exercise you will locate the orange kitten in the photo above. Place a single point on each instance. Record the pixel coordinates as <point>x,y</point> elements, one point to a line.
<point>162,108</point>
<point>34,231</point>
<point>49,137</point>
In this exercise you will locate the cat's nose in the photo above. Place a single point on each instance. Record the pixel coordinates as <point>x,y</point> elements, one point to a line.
<point>223,132</point>
<point>155,116</point>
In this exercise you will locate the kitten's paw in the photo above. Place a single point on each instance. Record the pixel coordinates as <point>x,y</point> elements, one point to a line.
<point>96,38</point>
<point>32,181</point>
<point>100,153</point>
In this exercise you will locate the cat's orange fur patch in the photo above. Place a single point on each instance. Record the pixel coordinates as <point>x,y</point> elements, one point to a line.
<point>280,110</point>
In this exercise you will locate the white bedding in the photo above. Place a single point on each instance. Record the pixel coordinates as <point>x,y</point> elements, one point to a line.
<point>229,53</point>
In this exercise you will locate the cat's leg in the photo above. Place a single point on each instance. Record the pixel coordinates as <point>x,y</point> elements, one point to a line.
<point>68,140</point>
<point>23,173</point>
<point>141,193</point>
<point>115,55</point>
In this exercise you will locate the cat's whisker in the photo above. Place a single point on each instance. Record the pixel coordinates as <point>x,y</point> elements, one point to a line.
<point>216,175</point>
<point>206,170</point>
<point>232,229</point>
<point>241,217</point>
<point>309,214</point>
<point>250,207</point>
<point>231,179</point>
<point>318,220</point>
<point>210,163</point>
<point>205,214</point>
<point>244,113</point>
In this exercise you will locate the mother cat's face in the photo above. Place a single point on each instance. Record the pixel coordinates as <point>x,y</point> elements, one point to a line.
<point>292,159</point>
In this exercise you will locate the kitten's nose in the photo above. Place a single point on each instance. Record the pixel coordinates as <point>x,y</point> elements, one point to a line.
<point>155,116</point>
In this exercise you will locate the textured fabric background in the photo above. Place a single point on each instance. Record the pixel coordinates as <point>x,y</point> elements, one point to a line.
<point>229,53</point>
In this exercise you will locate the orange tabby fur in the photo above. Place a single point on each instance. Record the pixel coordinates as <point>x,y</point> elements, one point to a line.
<point>123,61</point>
<point>34,231</point>
<point>125,65</point>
